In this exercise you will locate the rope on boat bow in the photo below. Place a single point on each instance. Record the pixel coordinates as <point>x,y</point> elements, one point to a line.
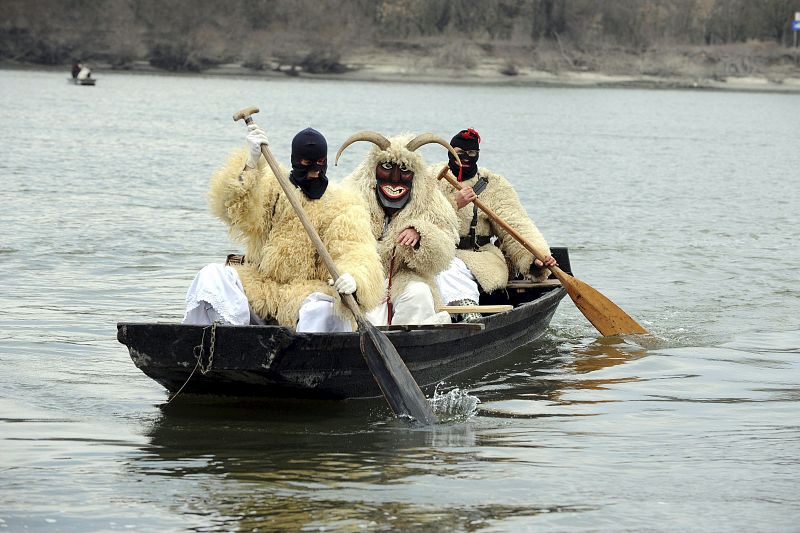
<point>198,352</point>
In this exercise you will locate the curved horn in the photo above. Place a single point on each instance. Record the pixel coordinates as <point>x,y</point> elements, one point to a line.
<point>426,138</point>
<point>371,136</point>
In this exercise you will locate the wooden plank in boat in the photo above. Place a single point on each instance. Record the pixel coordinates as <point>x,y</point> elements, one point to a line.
<point>521,284</point>
<point>474,326</point>
<point>474,308</point>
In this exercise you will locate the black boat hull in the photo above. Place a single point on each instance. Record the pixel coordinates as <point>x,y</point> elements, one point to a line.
<point>275,361</point>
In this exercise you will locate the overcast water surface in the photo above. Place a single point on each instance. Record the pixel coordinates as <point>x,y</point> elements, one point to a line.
<point>680,206</point>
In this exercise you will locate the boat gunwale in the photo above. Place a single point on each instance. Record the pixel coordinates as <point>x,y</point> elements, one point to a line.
<point>490,322</point>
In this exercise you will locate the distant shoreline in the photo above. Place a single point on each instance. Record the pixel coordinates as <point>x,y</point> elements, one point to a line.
<point>387,73</point>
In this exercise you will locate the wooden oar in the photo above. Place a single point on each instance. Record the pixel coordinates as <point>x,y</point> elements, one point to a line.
<point>605,315</point>
<point>391,373</point>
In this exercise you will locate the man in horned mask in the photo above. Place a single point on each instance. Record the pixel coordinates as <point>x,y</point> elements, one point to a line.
<point>483,246</point>
<point>412,221</point>
<point>281,277</point>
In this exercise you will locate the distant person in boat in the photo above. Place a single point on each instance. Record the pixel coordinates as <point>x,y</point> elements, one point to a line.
<point>85,73</point>
<point>282,277</point>
<point>486,254</point>
<point>76,68</point>
<point>412,221</point>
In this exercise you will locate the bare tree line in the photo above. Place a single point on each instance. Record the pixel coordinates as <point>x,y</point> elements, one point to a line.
<point>319,35</point>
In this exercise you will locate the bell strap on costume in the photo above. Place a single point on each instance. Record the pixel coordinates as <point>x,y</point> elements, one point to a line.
<point>389,306</point>
<point>472,227</point>
<point>473,242</point>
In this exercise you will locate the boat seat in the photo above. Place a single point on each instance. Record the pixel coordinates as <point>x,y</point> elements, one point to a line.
<point>475,326</point>
<point>234,259</point>
<point>523,284</point>
<point>520,290</point>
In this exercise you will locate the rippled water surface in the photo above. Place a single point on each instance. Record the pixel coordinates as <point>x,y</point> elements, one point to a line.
<point>679,206</point>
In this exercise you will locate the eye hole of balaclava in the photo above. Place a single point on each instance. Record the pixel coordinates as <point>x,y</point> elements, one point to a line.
<point>310,165</point>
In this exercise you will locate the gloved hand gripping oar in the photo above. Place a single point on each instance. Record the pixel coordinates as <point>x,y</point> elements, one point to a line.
<point>604,314</point>
<point>391,373</point>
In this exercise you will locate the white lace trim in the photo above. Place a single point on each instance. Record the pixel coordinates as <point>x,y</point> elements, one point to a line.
<point>220,287</point>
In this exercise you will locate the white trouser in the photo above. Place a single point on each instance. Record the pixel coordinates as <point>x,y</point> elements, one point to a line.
<point>457,282</point>
<point>413,306</point>
<point>317,316</point>
<point>217,295</point>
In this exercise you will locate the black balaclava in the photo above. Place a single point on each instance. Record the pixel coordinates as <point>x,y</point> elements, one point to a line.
<point>466,140</point>
<point>309,144</point>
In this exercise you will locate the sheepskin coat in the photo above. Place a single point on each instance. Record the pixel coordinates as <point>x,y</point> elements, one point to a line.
<point>427,211</point>
<point>488,263</point>
<point>282,266</point>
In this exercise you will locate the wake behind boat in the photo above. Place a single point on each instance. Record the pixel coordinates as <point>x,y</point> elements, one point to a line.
<point>278,362</point>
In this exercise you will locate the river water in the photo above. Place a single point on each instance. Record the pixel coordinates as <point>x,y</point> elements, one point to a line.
<point>680,206</point>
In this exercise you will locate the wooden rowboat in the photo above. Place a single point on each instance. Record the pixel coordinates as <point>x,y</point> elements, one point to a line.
<point>85,81</point>
<point>277,362</point>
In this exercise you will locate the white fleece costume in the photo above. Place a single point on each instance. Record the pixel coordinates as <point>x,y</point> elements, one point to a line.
<point>413,292</point>
<point>282,268</point>
<point>488,263</point>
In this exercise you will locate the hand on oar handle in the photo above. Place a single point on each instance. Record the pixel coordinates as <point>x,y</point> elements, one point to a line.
<point>344,284</point>
<point>549,261</point>
<point>465,196</point>
<point>256,137</point>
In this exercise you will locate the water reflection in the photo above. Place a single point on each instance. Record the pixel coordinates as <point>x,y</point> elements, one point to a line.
<point>281,464</point>
<point>558,376</point>
<point>230,429</point>
<point>603,352</point>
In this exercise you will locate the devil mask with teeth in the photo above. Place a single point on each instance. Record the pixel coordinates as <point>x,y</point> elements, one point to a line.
<point>393,184</point>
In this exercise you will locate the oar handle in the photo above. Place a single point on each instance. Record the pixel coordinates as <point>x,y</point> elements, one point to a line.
<point>288,190</point>
<point>445,173</point>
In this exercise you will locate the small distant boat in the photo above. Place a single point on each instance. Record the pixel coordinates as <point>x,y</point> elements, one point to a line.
<point>84,81</point>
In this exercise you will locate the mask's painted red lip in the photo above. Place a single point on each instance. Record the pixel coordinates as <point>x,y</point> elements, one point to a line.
<point>394,192</point>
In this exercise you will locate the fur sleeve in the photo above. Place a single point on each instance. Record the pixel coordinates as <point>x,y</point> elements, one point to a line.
<point>509,208</point>
<point>438,231</point>
<point>242,204</point>
<point>444,185</point>
<point>352,246</point>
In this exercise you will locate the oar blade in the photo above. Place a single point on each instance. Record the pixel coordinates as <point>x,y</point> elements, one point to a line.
<point>605,315</point>
<point>392,375</point>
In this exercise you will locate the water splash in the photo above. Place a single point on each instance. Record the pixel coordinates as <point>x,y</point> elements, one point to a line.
<point>455,405</point>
